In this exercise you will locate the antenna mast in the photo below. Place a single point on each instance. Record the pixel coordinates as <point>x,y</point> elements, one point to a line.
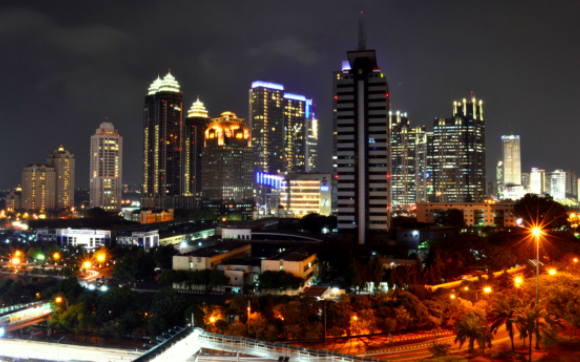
<point>362,36</point>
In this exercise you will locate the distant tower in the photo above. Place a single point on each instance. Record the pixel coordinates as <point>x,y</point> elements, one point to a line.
<point>512,167</point>
<point>162,145</point>
<point>106,183</point>
<point>194,136</point>
<point>64,167</point>
<point>38,188</point>
<point>227,180</point>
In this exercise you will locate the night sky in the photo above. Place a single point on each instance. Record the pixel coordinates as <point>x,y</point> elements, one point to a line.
<point>66,66</point>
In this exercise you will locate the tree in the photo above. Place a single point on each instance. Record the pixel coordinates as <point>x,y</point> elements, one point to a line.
<point>95,212</point>
<point>535,209</point>
<point>314,223</point>
<point>440,349</point>
<point>472,328</point>
<point>403,318</point>
<point>504,313</point>
<point>528,322</point>
<point>279,280</point>
<point>218,278</point>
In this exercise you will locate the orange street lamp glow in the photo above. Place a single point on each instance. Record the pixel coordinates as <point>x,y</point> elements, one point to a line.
<point>58,299</point>
<point>15,261</point>
<point>355,318</point>
<point>212,319</point>
<point>452,296</point>
<point>536,231</point>
<point>466,288</point>
<point>17,253</point>
<point>101,257</point>
<point>575,260</point>
<point>552,271</point>
<point>87,264</point>
<point>56,255</point>
<point>518,281</point>
<point>487,290</point>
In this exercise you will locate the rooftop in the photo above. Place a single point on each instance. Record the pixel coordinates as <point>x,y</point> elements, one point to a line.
<point>216,249</point>
<point>295,254</point>
<point>249,261</point>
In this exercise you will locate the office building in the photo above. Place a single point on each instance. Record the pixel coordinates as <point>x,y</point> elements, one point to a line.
<point>512,167</point>
<point>106,168</point>
<point>228,181</point>
<point>490,187</point>
<point>196,123</point>
<point>499,177</point>
<point>210,257</point>
<point>305,193</point>
<point>422,176</point>
<point>456,154</point>
<point>64,168</point>
<point>87,238</point>
<point>404,141</point>
<point>361,146</point>
<point>526,180</point>
<point>571,185</point>
<point>556,185</point>
<point>537,181</point>
<point>284,131</point>
<point>38,188</point>
<point>487,213</point>
<point>162,145</point>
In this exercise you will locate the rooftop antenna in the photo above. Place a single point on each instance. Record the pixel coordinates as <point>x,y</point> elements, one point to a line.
<point>362,36</point>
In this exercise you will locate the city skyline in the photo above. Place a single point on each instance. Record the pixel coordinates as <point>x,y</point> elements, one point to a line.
<point>107,78</point>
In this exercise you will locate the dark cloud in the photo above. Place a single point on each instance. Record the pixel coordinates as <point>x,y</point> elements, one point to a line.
<point>289,47</point>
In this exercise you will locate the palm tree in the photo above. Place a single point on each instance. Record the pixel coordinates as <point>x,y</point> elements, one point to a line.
<point>504,313</point>
<point>472,328</point>
<point>528,322</point>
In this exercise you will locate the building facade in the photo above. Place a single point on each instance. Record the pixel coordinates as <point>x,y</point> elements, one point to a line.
<point>228,181</point>
<point>537,181</point>
<point>475,214</point>
<point>512,166</point>
<point>456,155</point>
<point>162,147</point>
<point>556,184</point>
<point>106,183</point>
<point>361,146</point>
<point>38,188</point>
<point>64,167</point>
<point>196,123</point>
<point>306,193</point>
<point>404,142</point>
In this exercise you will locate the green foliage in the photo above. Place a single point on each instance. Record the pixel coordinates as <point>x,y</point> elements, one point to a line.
<point>135,266</point>
<point>114,303</point>
<point>473,328</point>
<point>314,223</point>
<point>279,280</point>
<point>95,212</point>
<point>535,209</point>
<point>163,256</point>
<point>504,313</point>
<point>167,310</point>
<point>217,278</point>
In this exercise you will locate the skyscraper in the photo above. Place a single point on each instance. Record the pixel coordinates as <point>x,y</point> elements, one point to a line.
<point>64,186</point>
<point>537,181</point>
<point>499,177</point>
<point>422,177</point>
<point>106,185</point>
<point>456,154</point>
<point>571,185</point>
<point>194,138</point>
<point>227,181</point>
<point>512,167</point>
<point>361,145</point>
<point>404,140</point>
<point>162,147</point>
<point>556,184</point>
<point>38,188</point>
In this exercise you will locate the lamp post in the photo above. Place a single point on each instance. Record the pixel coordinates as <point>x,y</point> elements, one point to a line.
<point>536,231</point>
<point>60,299</point>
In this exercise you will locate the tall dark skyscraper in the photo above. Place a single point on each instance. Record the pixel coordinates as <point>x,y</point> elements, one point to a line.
<point>162,146</point>
<point>194,137</point>
<point>456,155</point>
<point>361,145</point>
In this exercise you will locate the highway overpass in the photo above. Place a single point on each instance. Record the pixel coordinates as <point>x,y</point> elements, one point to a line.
<point>24,315</point>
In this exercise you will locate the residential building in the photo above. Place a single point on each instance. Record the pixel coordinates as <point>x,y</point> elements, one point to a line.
<point>490,187</point>
<point>196,123</point>
<point>228,179</point>
<point>456,154</point>
<point>106,168</point>
<point>299,261</point>
<point>38,188</point>
<point>512,167</point>
<point>14,199</point>
<point>526,180</point>
<point>422,176</point>
<point>361,157</point>
<point>162,147</point>
<point>209,258</point>
<point>64,179</point>
<point>487,213</point>
<point>404,142</point>
<point>305,193</point>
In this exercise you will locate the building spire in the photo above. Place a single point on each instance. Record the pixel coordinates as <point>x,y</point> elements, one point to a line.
<point>362,36</point>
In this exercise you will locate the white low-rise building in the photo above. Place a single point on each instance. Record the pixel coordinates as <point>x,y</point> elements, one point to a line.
<point>87,238</point>
<point>236,234</point>
<point>301,262</point>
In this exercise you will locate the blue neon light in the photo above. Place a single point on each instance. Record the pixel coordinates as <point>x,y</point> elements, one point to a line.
<point>2,332</point>
<point>345,65</point>
<point>296,97</point>
<point>260,83</point>
<point>269,180</point>
<point>324,188</point>
<point>308,105</point>
<point>426,174</point>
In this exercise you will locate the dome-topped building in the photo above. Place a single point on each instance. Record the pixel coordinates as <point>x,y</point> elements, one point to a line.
<point>228,125</point>
<point>167,84</point>
<point>195,124</point>
<point>197,110</point>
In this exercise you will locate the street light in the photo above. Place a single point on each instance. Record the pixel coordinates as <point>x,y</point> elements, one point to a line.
<point>452,296</point>
<point>60,299</point>
<point>15,261</point>
<point>56,256</point>
<point>537,232</point>
<point>487,290</point>
<point>212,319</point>
<point>552,271</point>
<point>518,281</point>
<point>87,264</point>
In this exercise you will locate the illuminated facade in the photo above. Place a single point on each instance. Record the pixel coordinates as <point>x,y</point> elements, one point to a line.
<point>106,168</point>
<point>537,181</point>
<point>64,167</point>
<point>38,188</point>
<point>306,193</point>
<point>404,140</point>
<point>421,173</point>
<point>194,137</point>
<point>571,185</point>
<point>487,213</point>
<point>361,146</point>
<point>227,180</point>
<point>284,131</point>
<point>512,167</point>
<point>456,155</point>
<point>499,177</point>
<point>556,185</point>
<point>162,147</point>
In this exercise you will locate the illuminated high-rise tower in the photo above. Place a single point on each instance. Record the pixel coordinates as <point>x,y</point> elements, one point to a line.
<point>194,137</point>
<point>106,185</point>
<point>456,154</point>
<point>38,188</point>
<point>162,147</point>
<point>63,163</point>
<point>512,167</point>
<point>361,145</point>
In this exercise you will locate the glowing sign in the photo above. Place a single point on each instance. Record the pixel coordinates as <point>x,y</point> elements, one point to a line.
<point>345,65</point>
<point>269,180</point>
<point>324,188</point>
<point>260,83</point>
<point>426,174</point>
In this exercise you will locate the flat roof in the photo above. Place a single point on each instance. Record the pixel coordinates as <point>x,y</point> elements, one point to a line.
<point>315,291</point>
<point>214,250</point>
<point>250,261</point>
<point>294,254</point>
